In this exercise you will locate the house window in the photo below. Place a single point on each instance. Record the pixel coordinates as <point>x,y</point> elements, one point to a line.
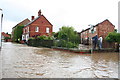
<point>25,30</point>
<point>28,29</point>
<point>94,28</point>
<point>36,29</point>
<point>23,37</point>
<point>90,31</point>
<point>47,30</point>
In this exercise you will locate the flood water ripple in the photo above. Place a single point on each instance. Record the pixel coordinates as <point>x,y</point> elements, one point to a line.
<point>22,61</point>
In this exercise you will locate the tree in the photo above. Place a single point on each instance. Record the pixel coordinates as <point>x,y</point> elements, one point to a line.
<point>18,33</point>
<point>114,37</point>
<point>67,36</point>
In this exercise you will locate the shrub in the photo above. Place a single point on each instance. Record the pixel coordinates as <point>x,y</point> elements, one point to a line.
<point>45,37</point>
<point>64,43</point>
<point>42,37</point>
<point>38,42</point>
<point>113,37</point>
<point>18,33</point>
<point>31,38</point>
<point>67,37</point>
<point>7,38</point>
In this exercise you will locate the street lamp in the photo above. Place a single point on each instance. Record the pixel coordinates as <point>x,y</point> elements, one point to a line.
<point>1,29</point>
<point>92,31</point>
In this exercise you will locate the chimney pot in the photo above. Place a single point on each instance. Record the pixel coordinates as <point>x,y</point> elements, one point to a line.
<point>32,17</point>
<point>39,13</point>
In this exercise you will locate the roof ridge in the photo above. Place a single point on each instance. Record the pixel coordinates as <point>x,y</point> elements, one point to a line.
<point>20,22</point>
<point>47,19</point>
<point>32,21</point>
<point>36,19</point>
<point>98,24</point>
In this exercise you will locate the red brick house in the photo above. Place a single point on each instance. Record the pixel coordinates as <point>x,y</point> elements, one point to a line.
<point>5,35</point>
<point>24,22</point>
<point>101,29</point>
<point>37,27</point>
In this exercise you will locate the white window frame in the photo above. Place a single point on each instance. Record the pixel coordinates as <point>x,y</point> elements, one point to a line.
<point>90,31</point>
<point>23,37</point>
<point>47,30</point>
<point>94,29</point>
<point>24,30</point>
<point>28,29</point>
<point>36,29</point>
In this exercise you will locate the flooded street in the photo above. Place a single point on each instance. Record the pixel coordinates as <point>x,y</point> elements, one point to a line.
<point>22,61</point>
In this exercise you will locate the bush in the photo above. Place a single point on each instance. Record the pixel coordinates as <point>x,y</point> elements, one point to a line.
<point>113,37</point>
<point>45,37</point>
<point>18,33</point>
<point>38,42</point>
<point>71,45</point>
<point>31,38</point>
<point>7,38</point>
<point>67,37</point>
<point>42,37</point>
<point>64,43</point>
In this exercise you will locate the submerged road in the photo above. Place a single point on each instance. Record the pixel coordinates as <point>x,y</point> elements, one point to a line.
<point>22,61</point>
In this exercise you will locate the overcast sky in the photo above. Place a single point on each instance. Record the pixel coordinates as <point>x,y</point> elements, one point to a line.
<point>76,13</point>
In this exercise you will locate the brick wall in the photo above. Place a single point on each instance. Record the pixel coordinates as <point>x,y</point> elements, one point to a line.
<point>101,29</point>
<point>105,28</point>
<point>42,23</point>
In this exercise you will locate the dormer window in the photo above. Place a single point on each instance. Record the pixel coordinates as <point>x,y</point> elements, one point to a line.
<point>37,29</point>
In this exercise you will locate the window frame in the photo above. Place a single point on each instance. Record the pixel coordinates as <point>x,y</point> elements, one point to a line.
<point>36,29</point>
<point>47,30</point>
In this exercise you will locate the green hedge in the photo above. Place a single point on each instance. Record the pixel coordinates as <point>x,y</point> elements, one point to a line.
<point>67,44</point>
<point>38,42</point>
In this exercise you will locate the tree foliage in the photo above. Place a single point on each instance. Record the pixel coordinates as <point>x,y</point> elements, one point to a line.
<point>68,34</point>
<point>113,37</point>
<point>18,33</point>
<point>7,38</point>
<point>67,37</point>
<point>44,37</point>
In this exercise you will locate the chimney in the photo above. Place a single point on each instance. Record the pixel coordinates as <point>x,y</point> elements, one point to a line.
<point>32,17</point>
<point>39,13</point>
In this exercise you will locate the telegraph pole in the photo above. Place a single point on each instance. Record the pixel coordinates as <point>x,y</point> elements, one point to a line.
<point>1,29</point>
<point>92,31</point>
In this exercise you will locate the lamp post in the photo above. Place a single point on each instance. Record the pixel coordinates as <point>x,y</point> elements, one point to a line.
<point>92,31</point>
<point>1,29</point>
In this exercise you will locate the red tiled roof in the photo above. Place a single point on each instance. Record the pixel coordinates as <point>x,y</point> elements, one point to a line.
<point>5,35</point>
<point>97,25</point>
<point>36,19</point>
<point>24,22</point>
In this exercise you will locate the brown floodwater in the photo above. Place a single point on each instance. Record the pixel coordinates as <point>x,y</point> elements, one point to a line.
<point>22,61</point>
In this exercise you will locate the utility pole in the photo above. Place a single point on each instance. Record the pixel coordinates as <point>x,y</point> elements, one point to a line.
<point>92,31</point>
<point>1,28</point>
